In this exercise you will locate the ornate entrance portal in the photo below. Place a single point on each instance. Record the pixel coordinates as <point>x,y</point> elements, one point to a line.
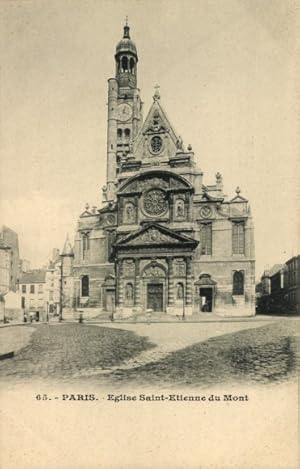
<point>155,296</point>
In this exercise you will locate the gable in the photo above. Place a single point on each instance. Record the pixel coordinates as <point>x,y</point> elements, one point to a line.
<point>157,137</point>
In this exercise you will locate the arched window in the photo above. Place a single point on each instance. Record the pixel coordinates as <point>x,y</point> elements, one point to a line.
<point>85,285</point>
<point>238,283</point>
<point>129,294</point>
<point>127,133</point>
<point>119,133</point>
<point>125,64</point>
<point>131,65</point>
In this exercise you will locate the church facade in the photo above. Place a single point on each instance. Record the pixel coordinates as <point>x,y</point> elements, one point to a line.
<point>163,241</point>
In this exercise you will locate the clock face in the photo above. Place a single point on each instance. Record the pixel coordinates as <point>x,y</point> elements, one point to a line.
<point>124,112</point>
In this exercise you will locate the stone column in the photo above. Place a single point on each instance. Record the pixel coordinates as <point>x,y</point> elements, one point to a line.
<point>120,284</point>
<point>137,293</point>
<point>170,282</point>
<point>188,289</point>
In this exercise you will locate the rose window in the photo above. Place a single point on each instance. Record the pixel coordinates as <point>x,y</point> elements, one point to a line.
<point>155,202</point>
<point>156,144</point>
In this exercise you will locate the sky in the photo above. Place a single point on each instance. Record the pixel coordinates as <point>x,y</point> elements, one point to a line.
<point>227,76</point>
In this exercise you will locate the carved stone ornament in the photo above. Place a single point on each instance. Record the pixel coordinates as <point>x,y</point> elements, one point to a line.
<point>153,271</point>
<point>144,184</point>
<point>179,268</point>
<point>153,236</point>
<point>155,202</point>
<point>128,267</point>
<point>205,212</point>
<point>110,219</point>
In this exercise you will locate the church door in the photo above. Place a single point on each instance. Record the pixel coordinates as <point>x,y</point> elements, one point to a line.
<point>155,292</point>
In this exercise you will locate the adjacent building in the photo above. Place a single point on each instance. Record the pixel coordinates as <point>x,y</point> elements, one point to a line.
<point>33,292</point>
<point>279,288</point>
<point>163,240</point>
<point>9,260</point>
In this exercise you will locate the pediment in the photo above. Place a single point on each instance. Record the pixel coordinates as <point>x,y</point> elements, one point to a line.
<point>238,198</point>
<point>154,235</point>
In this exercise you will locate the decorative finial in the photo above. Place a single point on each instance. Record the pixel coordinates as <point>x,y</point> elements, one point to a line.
<point>156,95</point>
<point>87,206</point>
<point>190,147</point>
<point>126,29</point>
<point>237,190</point>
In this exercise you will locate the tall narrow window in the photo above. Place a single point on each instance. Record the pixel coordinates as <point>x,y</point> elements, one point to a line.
<point>238,237</point>
<point>127,134</point>
<point>85,244</point>
<point>85,285</point>
<point>238,283</point>
<point>206,238</point>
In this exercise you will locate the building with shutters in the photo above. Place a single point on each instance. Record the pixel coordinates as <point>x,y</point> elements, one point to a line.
<point>163,240</point>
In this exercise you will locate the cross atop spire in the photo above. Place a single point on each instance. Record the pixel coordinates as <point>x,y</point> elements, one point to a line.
<point>126,29</point>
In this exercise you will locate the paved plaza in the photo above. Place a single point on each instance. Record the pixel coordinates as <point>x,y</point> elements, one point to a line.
<point>171,354</point>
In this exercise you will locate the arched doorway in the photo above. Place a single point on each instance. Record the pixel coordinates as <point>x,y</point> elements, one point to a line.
<point>154,278</point>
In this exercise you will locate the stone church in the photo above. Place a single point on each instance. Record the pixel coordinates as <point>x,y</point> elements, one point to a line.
<point>163,241</point>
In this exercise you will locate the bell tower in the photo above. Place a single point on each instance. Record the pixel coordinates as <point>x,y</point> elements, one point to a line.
<point>124,109</point>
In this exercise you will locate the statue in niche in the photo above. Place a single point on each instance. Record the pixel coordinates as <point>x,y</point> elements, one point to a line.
<point>179,210</point>
<point>129,213</point>
<point>179,291</point>
<point>129,293</point>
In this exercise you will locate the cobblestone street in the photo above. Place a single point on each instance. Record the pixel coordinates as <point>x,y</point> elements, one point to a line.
<point>178,354</point>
